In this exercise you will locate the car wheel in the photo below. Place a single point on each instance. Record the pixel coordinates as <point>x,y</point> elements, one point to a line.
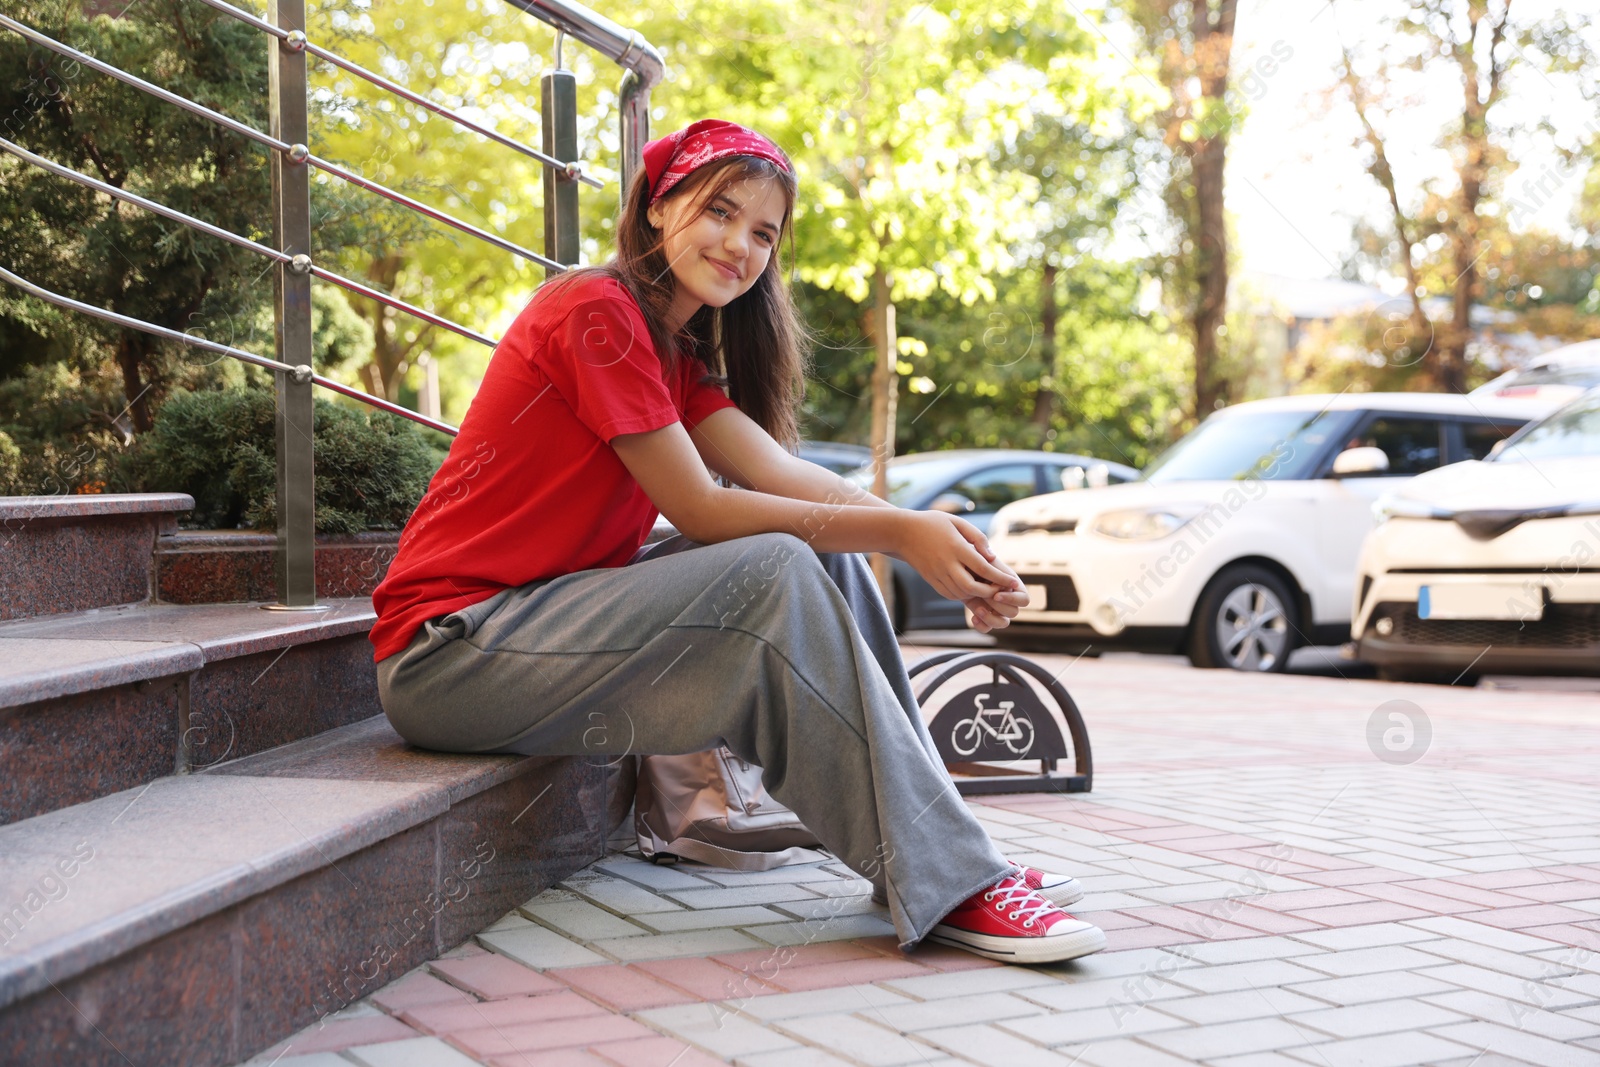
<point>1246,620</point>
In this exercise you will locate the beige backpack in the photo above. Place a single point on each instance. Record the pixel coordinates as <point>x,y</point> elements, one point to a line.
<point>711,807</point>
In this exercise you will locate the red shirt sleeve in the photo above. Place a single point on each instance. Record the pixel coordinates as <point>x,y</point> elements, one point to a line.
<point>601,360</point>
<point>700,397</point>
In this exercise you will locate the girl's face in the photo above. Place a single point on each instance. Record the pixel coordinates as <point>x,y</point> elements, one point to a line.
<point>717,248</point>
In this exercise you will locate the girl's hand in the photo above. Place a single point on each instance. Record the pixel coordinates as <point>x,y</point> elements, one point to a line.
<point>954,556</point>
<point>997,611</point>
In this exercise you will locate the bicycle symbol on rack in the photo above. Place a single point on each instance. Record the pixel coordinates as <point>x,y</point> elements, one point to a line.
<point>1013,730</point>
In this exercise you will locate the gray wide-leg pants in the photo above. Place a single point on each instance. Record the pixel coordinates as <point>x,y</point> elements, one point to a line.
<point>785,656</point>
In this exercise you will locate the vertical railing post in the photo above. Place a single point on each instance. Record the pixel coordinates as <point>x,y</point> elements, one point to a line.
<point>295,558</point>
<point>559,97</point>
<point>633,107</point>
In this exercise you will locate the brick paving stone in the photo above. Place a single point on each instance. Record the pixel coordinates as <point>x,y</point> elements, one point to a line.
<point>840,928</point>
<point>1260,919</point>
<point>981,1008</point>
<point>1230,1039</point>
<point>824,1002</point>
<point>671,922</point>
<point>1468,930</point>
<point>861,1039</point>
<point>565,1057</point>
<point>491,976</point>
<point>1146,936</point>
<point>418,987</point>
<point>622,988</point>
<point>741,896</point>
<point>806,1056</point>
<point>662,946</point>
<point>1390,1050</point>
<point>1260,948</point>
<point>412,1052</point>
<point>1107,920</point>
<point>1498,959</point>
<point>1433,903</point>
<point>1471,894</point>
<point>993,1048</point>
<point>1553,892</point>
<point>1228,977</point>
<point>1373,911</point>
<point>346,1033</point>
<point>1374,960</point>
<point>1243,1004</point>
<point>450,1018</point>
<point>714,1028</point>
<point>1366,988</point>
<point>1379,1017</point>
<point>654,1052</point>
<point>1529,915</point>
<point>625,898</point>
<point>1586,936</point>
<point>998,980</point>
<point>706,979</point>
<point>1091,1024</point>
<point>1519,1043</point>
<point>1205,926</point>
<point>846,972</point>
<point>1558,992</point>
<point>1570,1024</point>
<point>581,920</point>
<point>1123,1052</point>
<point>1123,993</point>
<point>537,947</point>
<point>1307,898</point>
<point>1355,876</point>
<point>546,1036</point>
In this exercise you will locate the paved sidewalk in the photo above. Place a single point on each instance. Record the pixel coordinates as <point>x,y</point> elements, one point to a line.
<point>1279,886</point>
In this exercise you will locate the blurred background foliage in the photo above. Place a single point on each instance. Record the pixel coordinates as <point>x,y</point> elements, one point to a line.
<point>1011,176</point>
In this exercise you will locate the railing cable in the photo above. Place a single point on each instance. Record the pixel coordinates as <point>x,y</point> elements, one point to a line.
<point>296,153</point>
<point>297,40</point>
<point>243,242</point>
<point>300,374</point>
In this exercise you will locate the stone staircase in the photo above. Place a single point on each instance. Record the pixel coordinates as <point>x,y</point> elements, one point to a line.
<point>209,836</point>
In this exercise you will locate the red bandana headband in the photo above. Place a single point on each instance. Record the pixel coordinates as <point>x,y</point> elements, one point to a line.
<point>670,159</point>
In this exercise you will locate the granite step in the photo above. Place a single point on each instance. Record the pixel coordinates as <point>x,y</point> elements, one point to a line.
<point>94,702</point>
<point>200,918</point>
<point>70,553</point>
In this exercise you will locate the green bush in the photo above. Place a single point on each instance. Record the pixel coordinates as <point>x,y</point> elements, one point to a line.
<point>219,447</point>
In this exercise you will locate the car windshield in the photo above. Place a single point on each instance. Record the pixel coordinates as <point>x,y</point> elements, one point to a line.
<point>1229,446</point>
<point>908,481</point>
<point>1572,431</point>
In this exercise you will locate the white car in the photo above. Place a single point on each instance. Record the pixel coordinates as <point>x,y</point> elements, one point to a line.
<point>1557,376</point>
<point>1492,566</point>
<point>1240,541</point>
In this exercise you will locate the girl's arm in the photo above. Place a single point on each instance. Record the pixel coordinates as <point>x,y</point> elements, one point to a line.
<point>946,550</point>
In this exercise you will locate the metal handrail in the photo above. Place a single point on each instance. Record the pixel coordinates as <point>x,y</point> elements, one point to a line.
<point>297,153</point>
<point>290,162</point>
<point>626,48</point>
<point>297,40</point>
<point>243,242</point>
<point>301,374</point>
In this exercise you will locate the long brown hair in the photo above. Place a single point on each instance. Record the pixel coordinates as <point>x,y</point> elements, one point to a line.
<point>756,344</point>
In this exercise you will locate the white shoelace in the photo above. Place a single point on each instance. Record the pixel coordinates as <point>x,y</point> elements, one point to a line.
<point>1016,896</point>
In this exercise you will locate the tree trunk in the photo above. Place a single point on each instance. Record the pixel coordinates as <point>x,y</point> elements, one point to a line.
<point>383,373</point>
<point>1211,274</point>
<point>131,350</point>
<point>885,399</point>
<point>1044,399</point>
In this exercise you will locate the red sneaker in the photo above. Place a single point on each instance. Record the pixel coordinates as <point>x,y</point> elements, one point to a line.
<point>1058,889</point>
<point>1014,924</point>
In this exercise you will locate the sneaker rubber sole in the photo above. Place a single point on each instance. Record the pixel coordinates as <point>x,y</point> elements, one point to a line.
<point>1022,949</point>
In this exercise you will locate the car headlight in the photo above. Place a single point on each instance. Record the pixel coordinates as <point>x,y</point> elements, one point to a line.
<point>1399,507</point>
<point>1144,524</point>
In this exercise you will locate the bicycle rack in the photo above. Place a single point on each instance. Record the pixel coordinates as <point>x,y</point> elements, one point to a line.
<point>966,733</point>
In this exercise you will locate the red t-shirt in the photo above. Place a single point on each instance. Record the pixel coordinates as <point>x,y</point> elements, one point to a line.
<point>532,488</point>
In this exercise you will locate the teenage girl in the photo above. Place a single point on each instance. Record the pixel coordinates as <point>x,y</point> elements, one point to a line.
<point>521,614</point>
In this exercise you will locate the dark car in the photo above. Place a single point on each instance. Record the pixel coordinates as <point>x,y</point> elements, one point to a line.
<point>973,483</point>
<point>839,458</point>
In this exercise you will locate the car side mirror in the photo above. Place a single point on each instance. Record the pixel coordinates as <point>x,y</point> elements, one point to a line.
<point>1362,460</point>
<point>1099,476</point>
<point>953,504</point>
<point>1499,447</point>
